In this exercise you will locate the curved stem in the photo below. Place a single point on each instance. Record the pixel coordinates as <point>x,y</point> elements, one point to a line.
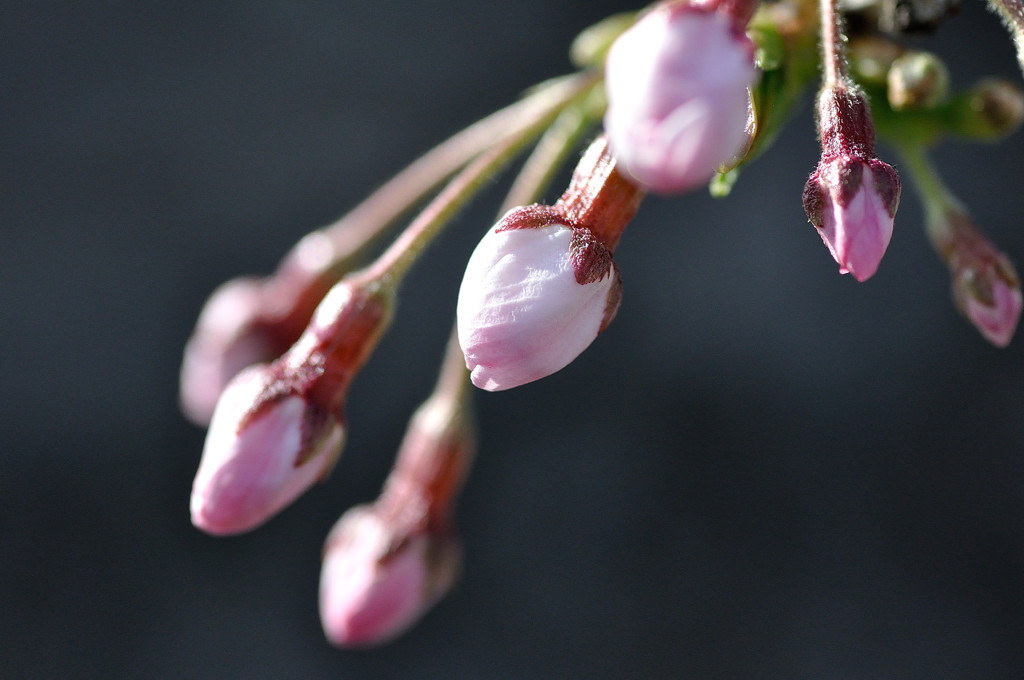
<point>938,200</point>
<point>395,262</point>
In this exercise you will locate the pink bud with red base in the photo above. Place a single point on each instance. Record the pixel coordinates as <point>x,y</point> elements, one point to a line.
<point>852,196</point>
<point>265,447</point>
<point>377,580</point>
<point>678,104</point>
<point>535,294</point>
<point>278,427</point>
<point>986,287</point>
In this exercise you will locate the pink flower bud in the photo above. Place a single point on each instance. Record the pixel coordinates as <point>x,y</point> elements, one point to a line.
<point>853,204</point>
<point>852,196</point>
<point>377,580</point>
<point>677,96</point>
<point>265,447</point>
<point>986,288</point>
<point>225,341</point>
<point>534,296</point>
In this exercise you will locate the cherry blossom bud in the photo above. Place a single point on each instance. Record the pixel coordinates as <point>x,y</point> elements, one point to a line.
<point>535,294</point>
<point>278,427</point>
<point>377,580</point>
<point>852,196</point>
<point>678,103</point>
<point>224,342</point>
<point>986,288</point>
<point>265,447</point>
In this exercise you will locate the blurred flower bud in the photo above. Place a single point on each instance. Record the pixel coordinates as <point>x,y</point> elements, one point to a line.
<point>986,288</point>
<point>264,448</point>
<point>851,197</point>
<point>377,580</point>
<point>224,342</point>
<point>678,103</point>
<point>535,294</point>
<point>995,108</point>
<point>917,80</point>
<point>278,428</point>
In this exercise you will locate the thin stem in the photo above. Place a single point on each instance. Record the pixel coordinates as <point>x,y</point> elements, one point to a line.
<point>393,264</point>
<point>833,45</point>
<point>546,158</point>
<point>1012,13</point>
<point>453,378</point>
<point>938,200</point>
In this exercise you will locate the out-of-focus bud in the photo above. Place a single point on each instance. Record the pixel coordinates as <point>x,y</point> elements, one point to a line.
<point>678,103</point>
<point>993,109</point>
<point>986,288</point>
<point>851,197</point>
<point>278,428</point>
<point>377,578</point>
<point>248,321</point>
<point>535,294</point>
<point>917,80</point>
<point>222,344</point>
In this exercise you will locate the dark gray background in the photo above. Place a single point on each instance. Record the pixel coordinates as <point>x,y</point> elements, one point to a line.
<point>762,469</point>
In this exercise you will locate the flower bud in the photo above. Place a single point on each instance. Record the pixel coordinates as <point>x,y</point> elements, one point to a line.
<point>535,294</point>
<point>265,447</point>
<point>852,196</point>
<point>986,288</point>
<point>278,428</point>
<point>678,103</point>
<point>226,340</point>
<point>377,580</point>
<point>917,80</point>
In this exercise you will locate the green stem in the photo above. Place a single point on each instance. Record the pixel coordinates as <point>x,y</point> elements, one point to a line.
<point>548,156</point>
<point>938,200</point>
<point>394,263</point>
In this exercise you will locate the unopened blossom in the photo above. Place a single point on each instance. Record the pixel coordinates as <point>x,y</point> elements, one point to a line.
<point>986,287</point>
<point>226,340</point>
<point>264,448</point>
<point>852,196</point>
<point>851,203</point>
<point>677,86</point>
<point>278,427</point>
<point>376,579</point>
<point>532,299</point>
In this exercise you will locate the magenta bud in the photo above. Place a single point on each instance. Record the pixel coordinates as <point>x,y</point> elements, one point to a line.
<point>377,580</point>
<point>986,287</point>
<point>852,196</point>
<point>678,103</point>
<point>853,204</point>
<point>265,447</point>
<point>532,299</point>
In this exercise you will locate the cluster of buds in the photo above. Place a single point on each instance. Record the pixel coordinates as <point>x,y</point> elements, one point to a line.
<point>689,92</point>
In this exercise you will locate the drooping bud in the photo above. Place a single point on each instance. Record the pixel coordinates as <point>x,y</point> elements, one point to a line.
<point>248,321</point>
<point>377,579</point>
<point>265,447</point>
<point>541,285</point>
<point>852,196</point>
<point>535,294</point>
<point>222,344</point>
<point>678,103</point>
<point>985,284</point>
<point>278,427</point>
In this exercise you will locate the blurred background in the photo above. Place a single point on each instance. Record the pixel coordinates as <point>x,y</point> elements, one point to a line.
<point>761,470</point>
